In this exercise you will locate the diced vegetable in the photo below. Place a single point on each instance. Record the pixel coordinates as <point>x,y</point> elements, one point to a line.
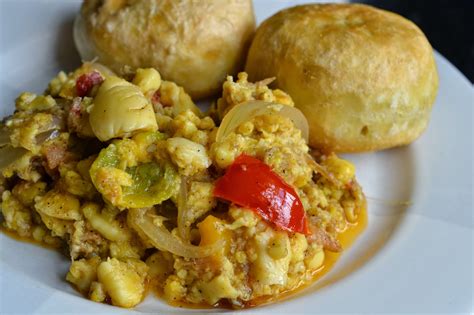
<point>86,82</point>
<point>139,186</point>
<point>212,230</point>
<point>250,183</point>
<point>151,227</point>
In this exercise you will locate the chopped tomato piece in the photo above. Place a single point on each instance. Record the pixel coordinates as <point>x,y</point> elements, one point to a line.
<point>86,82</point>
<point>250,183</point>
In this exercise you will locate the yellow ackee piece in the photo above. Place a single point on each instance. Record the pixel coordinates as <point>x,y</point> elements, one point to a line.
<point>120,109</point>
<point>124,281</point>
<point>147,79</point>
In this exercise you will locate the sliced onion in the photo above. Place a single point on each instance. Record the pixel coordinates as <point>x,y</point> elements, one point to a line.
<point>183,230</point>
<point>47,135</point>
<point>58,122</point>
<point>162,239</point>
<point>246,111</point>
<point>9,154</point>
<point>51,131</point>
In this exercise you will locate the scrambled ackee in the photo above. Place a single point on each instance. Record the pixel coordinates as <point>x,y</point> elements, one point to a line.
<point>145,192</point>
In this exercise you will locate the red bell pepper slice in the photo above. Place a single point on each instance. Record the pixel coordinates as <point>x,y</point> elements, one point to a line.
<point>250,183</point>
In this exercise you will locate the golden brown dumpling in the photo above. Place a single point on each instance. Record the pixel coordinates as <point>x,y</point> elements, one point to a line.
<point>365,78</point>
<point>193,43</point>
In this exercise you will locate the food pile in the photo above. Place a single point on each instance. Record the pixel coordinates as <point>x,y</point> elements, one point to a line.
<point>116,165</point>
<point>143,191</point>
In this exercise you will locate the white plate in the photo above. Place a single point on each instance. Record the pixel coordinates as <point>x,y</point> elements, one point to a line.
<point>410,259</point>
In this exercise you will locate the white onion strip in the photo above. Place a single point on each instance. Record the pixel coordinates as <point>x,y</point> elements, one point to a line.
<point>246,111</point>
<point>162,239</point>
<point>182,219</point>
